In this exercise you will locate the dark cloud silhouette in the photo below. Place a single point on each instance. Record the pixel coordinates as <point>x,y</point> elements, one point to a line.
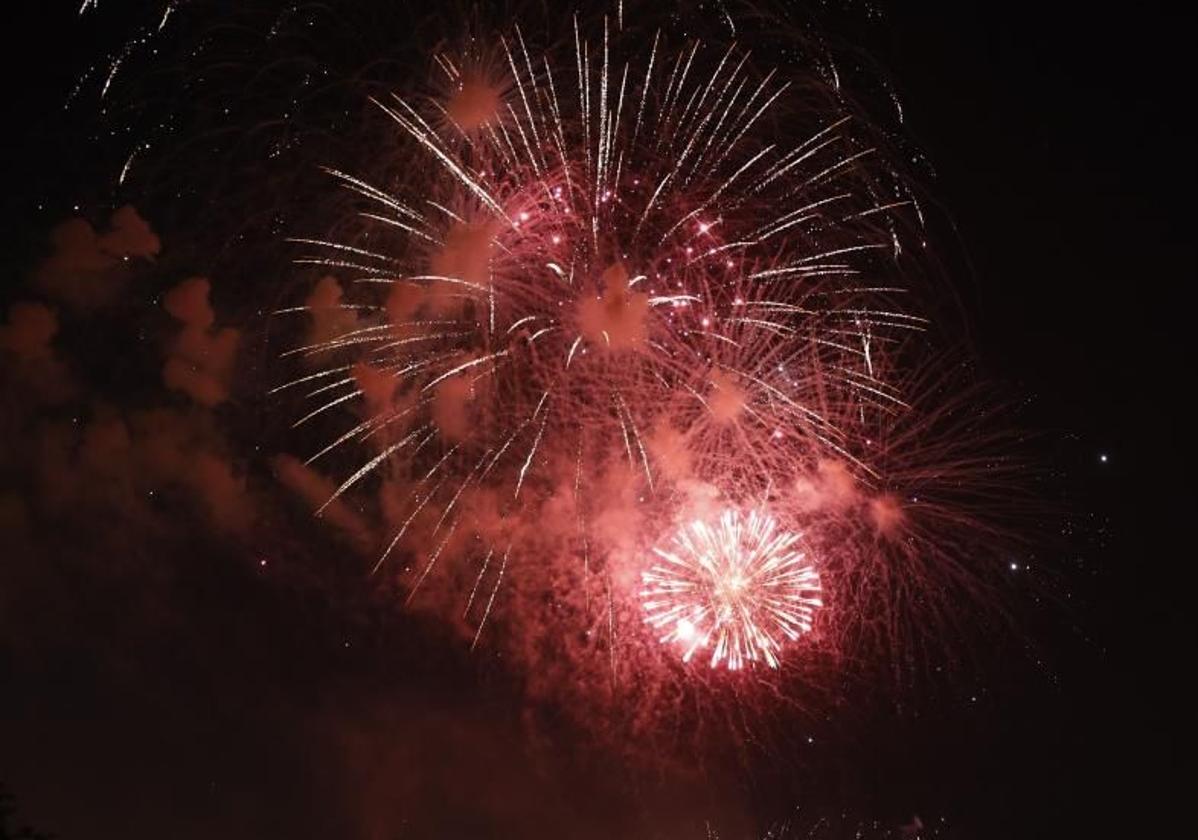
<point>33,364</point>
<point>102,462</point>
<point>87,268</point>
<point>200,358</point>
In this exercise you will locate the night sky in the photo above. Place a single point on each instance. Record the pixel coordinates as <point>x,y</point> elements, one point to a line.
<point>185,653</point>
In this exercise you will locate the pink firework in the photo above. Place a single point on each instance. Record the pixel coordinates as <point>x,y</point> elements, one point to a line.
<point>617,270</point>
<point>620,279</point>
<point>742,587</point>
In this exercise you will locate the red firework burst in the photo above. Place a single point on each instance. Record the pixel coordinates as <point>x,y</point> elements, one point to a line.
<point>628,283</point>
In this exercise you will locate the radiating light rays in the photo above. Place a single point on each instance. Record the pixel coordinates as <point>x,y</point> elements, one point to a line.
<point>737,590</point>
<point>584,262</point>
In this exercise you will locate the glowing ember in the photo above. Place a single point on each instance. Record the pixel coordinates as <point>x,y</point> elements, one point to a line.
<point>741,586</point>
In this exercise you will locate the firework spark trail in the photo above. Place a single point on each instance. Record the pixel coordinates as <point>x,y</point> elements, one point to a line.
<point>491,600</point>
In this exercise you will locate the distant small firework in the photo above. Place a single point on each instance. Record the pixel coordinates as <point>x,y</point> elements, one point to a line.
<point>742,588</point>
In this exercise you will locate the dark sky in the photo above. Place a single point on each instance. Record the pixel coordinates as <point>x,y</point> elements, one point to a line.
<point>155,682</point>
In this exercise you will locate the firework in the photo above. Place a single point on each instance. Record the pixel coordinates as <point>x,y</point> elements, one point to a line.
<point>741,587</point>
<point>613,263</point>
<point>591,275</point>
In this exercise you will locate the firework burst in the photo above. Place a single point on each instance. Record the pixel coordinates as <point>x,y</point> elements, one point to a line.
<point>740,587</point>
<point>621,265</point>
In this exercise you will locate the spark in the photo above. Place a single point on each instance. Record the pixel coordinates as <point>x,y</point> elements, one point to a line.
<point>741,588</point>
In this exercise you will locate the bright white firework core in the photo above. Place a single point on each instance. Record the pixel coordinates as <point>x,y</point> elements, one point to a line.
<point>741,587</point>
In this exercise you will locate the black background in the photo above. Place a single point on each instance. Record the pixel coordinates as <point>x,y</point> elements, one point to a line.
<point>1062,149</point>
